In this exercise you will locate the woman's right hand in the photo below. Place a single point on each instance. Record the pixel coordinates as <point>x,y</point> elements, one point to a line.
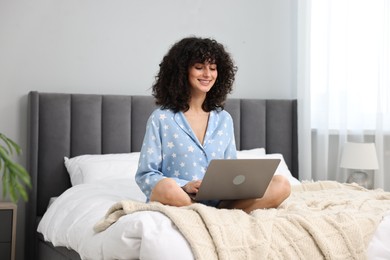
<point>192,186</point>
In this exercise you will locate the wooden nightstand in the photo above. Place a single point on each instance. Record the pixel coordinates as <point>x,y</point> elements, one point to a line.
<point>7,230</point>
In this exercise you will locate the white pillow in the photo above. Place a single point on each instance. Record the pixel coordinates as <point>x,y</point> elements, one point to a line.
<point>251,154</point>
<point>99,167</point>
<point>259,153</point>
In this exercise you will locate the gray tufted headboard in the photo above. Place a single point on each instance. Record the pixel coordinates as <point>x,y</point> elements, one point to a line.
<point>74,124</point>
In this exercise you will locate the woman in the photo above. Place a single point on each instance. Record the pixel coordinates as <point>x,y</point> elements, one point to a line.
<point>191,128</point>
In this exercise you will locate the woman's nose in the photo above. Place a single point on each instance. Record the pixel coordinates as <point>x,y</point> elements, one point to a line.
<point>206,72</point>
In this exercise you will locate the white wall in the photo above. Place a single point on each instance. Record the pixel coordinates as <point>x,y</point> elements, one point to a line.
<point>115,46</point>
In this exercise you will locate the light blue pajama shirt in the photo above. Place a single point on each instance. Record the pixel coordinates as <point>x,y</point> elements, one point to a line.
<point>171,149</point>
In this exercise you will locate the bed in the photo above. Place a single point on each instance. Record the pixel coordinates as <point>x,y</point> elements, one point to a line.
<point>99,217</point>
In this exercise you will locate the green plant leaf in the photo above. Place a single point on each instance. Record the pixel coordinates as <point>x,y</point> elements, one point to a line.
<point>12,191</point>
<point>15,177</point>
<point>20,173</point>
<point>4,154</point>
<point>5,139</point>
<point>21,190</point>
<point>5,180</point>
<point>1,165</point>
<point>16,147</point>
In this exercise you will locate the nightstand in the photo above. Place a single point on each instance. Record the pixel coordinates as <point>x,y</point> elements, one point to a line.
<point>7,230</point>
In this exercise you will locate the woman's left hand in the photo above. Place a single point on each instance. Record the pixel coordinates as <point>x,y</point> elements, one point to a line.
<point>192,186</point>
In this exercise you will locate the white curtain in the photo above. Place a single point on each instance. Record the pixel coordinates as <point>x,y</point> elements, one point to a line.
<point>343,84</point>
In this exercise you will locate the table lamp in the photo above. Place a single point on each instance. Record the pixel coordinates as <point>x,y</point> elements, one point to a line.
<point>359,157</point>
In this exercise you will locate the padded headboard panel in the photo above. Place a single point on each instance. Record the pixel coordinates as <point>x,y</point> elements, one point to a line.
<point>74,124</point>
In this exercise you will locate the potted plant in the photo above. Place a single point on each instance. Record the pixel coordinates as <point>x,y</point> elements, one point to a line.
<point>14,176</point>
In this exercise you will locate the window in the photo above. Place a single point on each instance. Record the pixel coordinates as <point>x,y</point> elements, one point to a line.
<point>349,64</point>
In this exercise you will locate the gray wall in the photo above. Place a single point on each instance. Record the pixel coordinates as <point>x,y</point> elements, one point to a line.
<point>115,46</point>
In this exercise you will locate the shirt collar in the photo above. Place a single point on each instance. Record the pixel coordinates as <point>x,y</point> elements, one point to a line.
<point>212,124</point>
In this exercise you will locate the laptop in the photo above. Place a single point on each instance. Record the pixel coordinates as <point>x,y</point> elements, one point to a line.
<point>232,179</point>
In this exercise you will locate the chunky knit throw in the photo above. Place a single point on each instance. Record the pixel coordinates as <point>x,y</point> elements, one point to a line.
<point>320,220</point>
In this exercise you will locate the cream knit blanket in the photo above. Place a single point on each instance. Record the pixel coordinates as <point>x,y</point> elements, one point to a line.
<point>320,220</point>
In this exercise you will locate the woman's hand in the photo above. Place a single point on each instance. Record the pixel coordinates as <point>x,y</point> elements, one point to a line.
<point>192,186</point>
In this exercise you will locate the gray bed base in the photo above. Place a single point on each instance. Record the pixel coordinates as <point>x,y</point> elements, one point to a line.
<point>74,124</point>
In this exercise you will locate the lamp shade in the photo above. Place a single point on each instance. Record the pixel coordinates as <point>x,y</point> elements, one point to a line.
<point>360,156</point>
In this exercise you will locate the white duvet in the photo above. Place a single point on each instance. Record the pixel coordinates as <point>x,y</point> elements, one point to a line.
<point>70,219</point>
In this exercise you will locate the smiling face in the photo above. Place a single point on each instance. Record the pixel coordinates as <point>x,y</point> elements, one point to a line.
<point>202,76</point>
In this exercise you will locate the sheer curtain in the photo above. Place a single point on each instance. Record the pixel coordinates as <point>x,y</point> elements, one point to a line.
<point>343,84</point>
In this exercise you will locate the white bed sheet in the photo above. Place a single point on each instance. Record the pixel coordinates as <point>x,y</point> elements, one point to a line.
<point>70,219</point>
<point>379,245</point>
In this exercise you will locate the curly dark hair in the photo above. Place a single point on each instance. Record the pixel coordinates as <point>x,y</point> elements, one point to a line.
<point>171,89</point>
